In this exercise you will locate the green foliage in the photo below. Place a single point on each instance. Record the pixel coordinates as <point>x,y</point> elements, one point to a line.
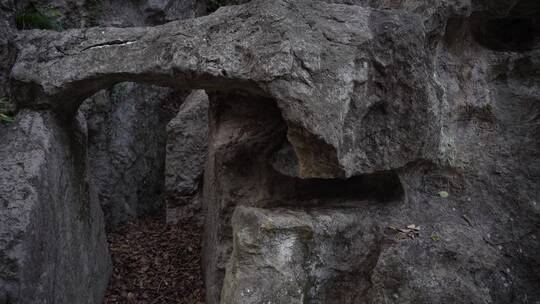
<point>4,112</point>
<point>443,194</point>
<point>33,18</point>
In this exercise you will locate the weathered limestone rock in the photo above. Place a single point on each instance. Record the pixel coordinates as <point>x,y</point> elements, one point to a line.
<point>53,247</point>
<point>127,136</point>
<point>149,12</point>
<point>122,194</point>
<point>284,256</point>
<point>330,69</point>
<point>350,123</point>
<point>119,13</point>
<point>187,145</point>
<point>127,142</point>
<point>7,49</point>
<point>311,64</point>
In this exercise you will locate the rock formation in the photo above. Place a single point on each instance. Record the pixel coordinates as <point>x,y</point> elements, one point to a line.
<point>127,138</point>
<point>381,152</point>
<point>53,247</point>
<point>187,144</point>
<point>126,122</point>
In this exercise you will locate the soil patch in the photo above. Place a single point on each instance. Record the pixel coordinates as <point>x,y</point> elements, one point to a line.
<point>155,263</point>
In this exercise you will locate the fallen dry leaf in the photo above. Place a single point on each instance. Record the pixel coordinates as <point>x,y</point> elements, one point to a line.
<point>155,263</point>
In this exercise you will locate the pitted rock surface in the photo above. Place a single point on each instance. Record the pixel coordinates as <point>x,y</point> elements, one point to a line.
<point>345,125</point>
<point>53,247</point>
<point>127,138</point>
<point>331,69</point>
<point>187,146</point>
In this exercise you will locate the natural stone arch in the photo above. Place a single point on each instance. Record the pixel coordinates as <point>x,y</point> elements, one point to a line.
<point>351,85</point>
<point>350,105</point>
<point>316,62</point>
<point>330,69</point>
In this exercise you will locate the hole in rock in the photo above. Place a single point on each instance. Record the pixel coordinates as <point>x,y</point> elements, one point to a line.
<point>259,167</point>
<point>517,34</point>
<point>380,187</point>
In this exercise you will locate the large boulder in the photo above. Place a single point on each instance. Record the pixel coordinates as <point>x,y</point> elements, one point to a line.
<point>187,144</point>
<point>53,247</point>
<point>7,49</point>
<point>351,256</point>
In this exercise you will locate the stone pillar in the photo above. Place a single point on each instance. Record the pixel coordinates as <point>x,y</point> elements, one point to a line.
<point>53,247</point>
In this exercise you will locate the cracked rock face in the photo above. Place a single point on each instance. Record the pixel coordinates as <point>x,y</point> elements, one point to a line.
<point>343,68</point>
<point>126,122</point>
<point>335,128</point>
<point>53,247</point>
<point>127,138</point>
<point>293,256</point>
<point>118,13</point>
<point>187,145</point>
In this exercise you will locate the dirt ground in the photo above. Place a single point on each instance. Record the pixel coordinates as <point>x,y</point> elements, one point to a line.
<point>155,263</point>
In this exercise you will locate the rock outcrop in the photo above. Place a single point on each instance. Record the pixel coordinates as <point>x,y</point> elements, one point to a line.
<point>114,134</point>
<point>222,52</point>
<point>120,13</point>
<point>187,144</point>
<point>392,154</point>
<point>53,247</point>
<point>127,138</point>
<point>7,49</point>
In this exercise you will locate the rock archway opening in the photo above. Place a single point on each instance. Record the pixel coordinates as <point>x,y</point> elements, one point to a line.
<point>145,159</point>
<point>148,149</point>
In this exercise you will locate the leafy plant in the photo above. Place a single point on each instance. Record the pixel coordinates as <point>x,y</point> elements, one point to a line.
<point>33,18</point>
<point>4,112</point>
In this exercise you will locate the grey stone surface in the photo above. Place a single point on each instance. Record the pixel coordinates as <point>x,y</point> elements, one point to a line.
<point>346,121</point>
<point>127,151</point>
<point>119,13</point>
<point>7,49</point>
<point>149,12</point>
<point>121,143</point>
<point>53,247</point>
<point>187,145</point>
<point>127,137</point>
<point>352,60</point>
<point>352,255</point>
